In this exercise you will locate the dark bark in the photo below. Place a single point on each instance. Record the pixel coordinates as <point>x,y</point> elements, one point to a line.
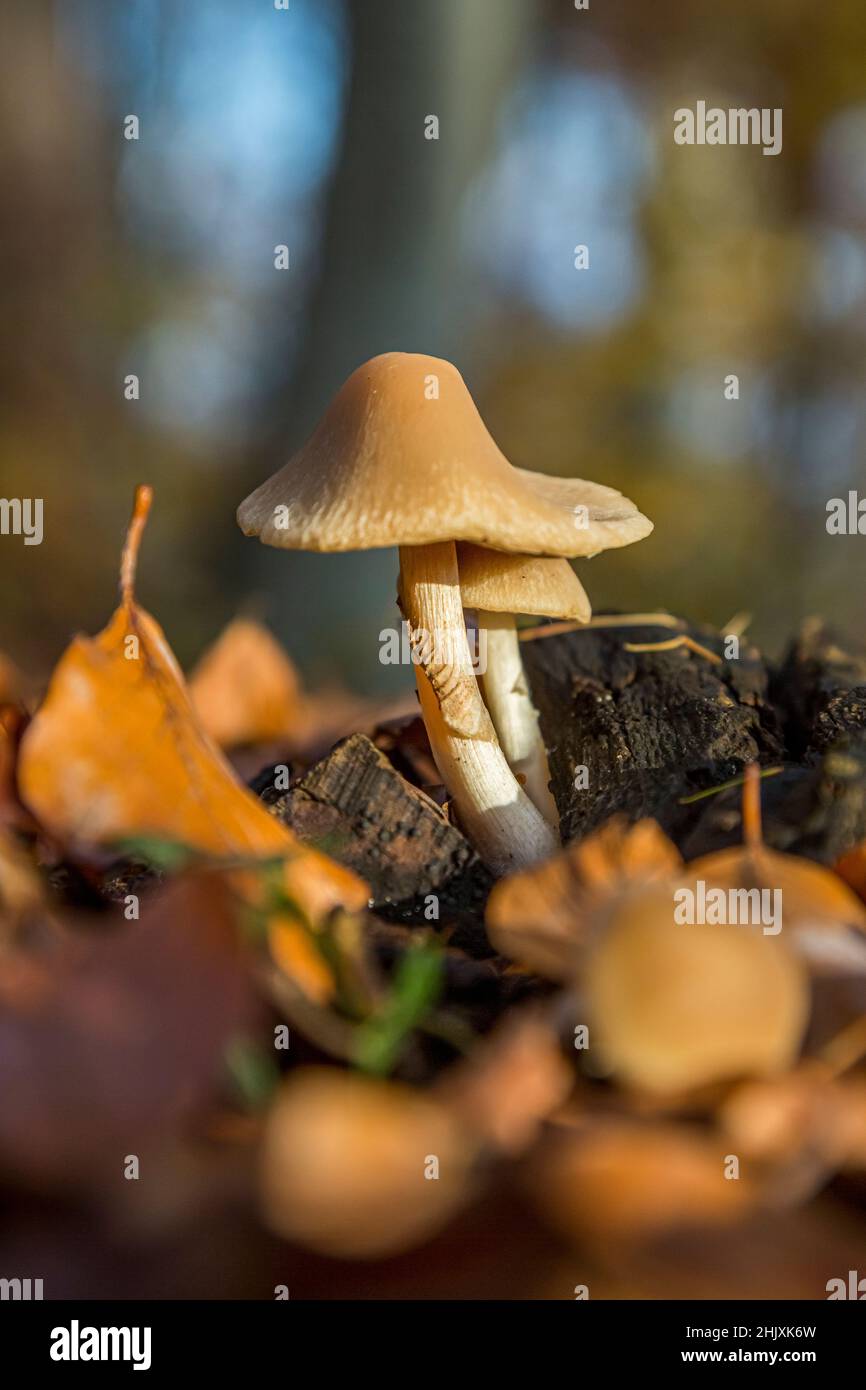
<point>648,727</point>
<point>654,728</point>
<point>356,807</point>
<point>821,691</point>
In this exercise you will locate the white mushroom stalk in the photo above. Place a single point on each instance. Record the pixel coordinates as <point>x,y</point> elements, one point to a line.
<point>495,812</point>
<point>515,718</point>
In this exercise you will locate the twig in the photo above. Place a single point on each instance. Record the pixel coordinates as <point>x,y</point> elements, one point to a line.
<point>737,625</point>
<point>669,646</point>
<point>129,560</point>
<point>530,634</point>
<point>752,836</point>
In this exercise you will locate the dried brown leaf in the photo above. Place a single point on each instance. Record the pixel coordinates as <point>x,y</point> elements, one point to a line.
<point>543,916</point>
<point>624,1181</point>
<point>115,751</point>
<point>245,689</point>
<point>112,1041</point>
<point>345,1163</point>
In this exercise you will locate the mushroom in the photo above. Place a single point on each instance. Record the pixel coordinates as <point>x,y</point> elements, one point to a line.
<point>497,586</point>
<point>402,457</point>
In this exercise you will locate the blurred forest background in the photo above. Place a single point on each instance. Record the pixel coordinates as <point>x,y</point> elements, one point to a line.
<point>261,127</point>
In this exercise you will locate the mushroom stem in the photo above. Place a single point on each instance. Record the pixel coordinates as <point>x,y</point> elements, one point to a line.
<point>493,809</point>
<point>515,718</point>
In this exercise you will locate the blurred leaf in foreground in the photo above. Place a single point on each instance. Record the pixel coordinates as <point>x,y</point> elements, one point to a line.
<point>812,896</point>
<point>115,750</point>
<point>359,1167</point>
<point>113,1042</point>
<point>245,689</point>
<point>624,1180</point>
<point>543,916</point>
<point>362,1167</point>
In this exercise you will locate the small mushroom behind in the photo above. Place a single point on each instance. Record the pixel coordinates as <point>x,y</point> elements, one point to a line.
<point>402,458</point>
<point>497,586</point>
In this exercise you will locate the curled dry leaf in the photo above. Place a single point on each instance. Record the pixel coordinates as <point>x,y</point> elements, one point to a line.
<point>344,1160</point>
<point>679,1005</point>
<point>245,689</point>
<point>812,898</point>
<point>247,694</point>
<point>542,917</point>
<point>675,1007</point>
<point>626,1181</point>
<point>115,751</point>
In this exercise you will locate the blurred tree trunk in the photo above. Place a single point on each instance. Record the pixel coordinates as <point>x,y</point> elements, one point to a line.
<point>391,275</point>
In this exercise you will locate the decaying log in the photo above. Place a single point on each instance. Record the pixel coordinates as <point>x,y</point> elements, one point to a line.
<point>634,731</point>
<point>820,690</point>
<point>356,807</point>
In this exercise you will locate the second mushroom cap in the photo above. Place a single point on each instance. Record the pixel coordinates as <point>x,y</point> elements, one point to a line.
<point>496,582</point>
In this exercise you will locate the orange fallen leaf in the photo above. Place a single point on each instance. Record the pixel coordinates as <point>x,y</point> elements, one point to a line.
<point>363,1168</point>
<point>245,689</point>
<point>345,1160</point>
<point>115,751</point>
<point>684,1001</point>
<point>118,1038</point>
<point>542,916</point>
<point>852,868</point>
<point>624,1181</point>
<point>813,899</point>
<point>248,695</point>
<point>673,1006</point>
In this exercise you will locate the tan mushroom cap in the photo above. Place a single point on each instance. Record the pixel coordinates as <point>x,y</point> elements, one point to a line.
<point>499,583</point>
<point>402,457</point>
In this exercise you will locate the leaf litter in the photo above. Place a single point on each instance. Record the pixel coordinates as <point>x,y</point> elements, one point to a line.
<point>232,1010</point>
